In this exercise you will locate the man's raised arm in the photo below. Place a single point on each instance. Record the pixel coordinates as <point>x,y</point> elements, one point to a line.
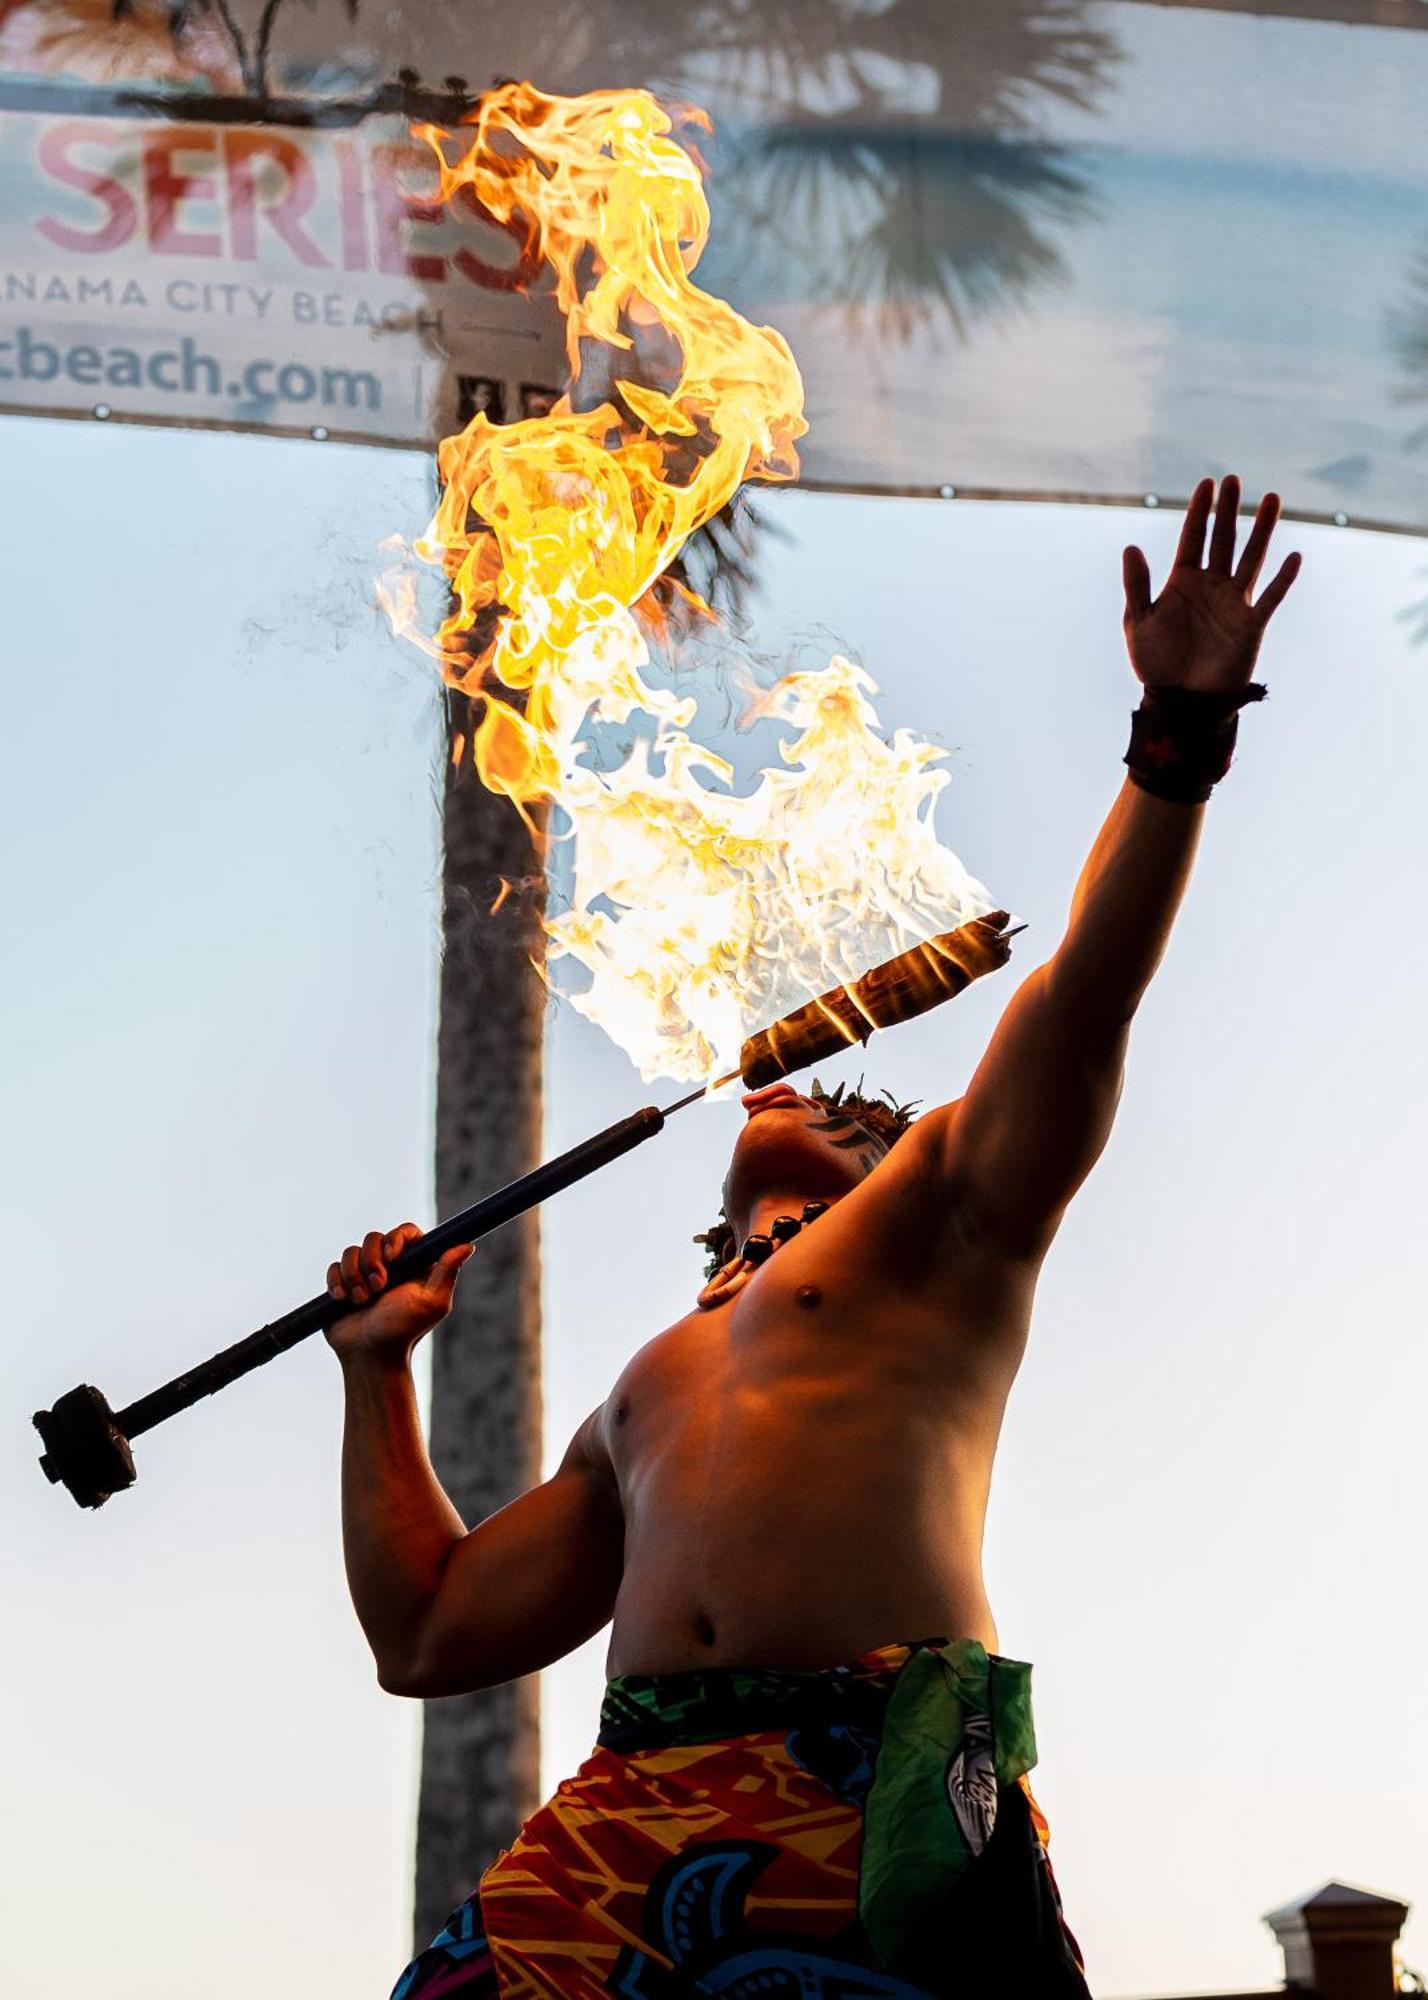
<point>1038,1111</point>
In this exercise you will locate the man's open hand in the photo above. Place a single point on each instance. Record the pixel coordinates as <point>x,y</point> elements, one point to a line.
<point>1202,631</point>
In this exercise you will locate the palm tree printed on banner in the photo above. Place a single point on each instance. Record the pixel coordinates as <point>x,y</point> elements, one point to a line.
<point>938,217</point>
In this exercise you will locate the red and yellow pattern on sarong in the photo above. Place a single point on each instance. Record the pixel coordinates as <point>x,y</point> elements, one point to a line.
<point>763,1835</point>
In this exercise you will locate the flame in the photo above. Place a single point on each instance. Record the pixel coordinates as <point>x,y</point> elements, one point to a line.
<point>696,913</point>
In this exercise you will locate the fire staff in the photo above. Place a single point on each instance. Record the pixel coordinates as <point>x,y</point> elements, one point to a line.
<point>812,1768</point>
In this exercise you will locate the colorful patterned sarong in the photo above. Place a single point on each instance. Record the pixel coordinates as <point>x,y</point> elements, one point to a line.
<point>862,1832</point>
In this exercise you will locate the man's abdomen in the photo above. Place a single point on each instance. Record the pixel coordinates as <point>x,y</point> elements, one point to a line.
<point>799,1538</point>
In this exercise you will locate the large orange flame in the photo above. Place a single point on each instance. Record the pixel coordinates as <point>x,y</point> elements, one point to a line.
<point>698,914</point>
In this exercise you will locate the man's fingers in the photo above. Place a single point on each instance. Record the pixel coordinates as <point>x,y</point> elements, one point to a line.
<point>441,1278</point>
<point>1273,594</point>
<point>1222,541</point>
<point>1192,536</point>
<point>1136,572</point>
<point>446,1267</point>
<point>364,1270</point>
<point>352,1282</point>
<point>1255,549</point>
<point>374,1268</point>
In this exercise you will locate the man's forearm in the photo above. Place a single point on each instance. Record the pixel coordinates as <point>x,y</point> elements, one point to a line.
<point>398,1526</point>
<point>1125,904</point>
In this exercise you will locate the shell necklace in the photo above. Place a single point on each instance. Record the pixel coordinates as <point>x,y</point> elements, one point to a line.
<point>732,1277</point>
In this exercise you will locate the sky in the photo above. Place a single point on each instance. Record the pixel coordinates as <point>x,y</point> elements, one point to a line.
<point>218,833</point>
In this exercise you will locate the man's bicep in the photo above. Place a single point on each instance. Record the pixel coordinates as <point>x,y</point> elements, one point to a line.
<point>530,1583</point>
<point>1035,1117</point>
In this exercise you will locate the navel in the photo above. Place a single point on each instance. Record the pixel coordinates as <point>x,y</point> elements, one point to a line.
<point>622,1410</point>
<point>808,1296</point>
<point>704,1630</point>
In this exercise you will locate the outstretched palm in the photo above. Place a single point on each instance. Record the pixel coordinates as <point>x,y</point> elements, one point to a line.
<point>1202,631</point>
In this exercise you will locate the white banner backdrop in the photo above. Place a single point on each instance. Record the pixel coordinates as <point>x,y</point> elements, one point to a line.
<point>1084,249</point>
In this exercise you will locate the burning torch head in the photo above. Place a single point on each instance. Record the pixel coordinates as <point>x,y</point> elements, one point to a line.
<point>823,1146</point>
<point>814,1146</point>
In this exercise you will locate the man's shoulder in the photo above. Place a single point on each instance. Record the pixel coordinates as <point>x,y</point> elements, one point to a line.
<point>914,1214</point>
<point>916,1177</point>
<point>661,1361</point>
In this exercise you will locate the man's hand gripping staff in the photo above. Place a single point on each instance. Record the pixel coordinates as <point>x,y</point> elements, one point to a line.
<point>396,1319</point>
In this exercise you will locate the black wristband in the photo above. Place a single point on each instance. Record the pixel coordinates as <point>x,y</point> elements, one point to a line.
<point>1183,740</point>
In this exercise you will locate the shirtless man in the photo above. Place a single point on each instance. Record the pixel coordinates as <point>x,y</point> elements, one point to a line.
<point>811,1769</point>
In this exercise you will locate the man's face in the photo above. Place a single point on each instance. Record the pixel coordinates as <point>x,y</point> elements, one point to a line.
<point>797,1146</point>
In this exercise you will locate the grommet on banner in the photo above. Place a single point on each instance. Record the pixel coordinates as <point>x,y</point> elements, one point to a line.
<point>102,411</point>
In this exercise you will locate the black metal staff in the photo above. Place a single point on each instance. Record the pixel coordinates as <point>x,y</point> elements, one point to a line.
<point>87,1443</point>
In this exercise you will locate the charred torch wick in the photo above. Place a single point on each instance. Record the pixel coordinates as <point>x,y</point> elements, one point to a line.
<point>889,993</point>
<point>923,977</point>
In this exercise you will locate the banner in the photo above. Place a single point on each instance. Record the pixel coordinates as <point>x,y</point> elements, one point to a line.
<point>256,278</point>
<point>1081,249</point>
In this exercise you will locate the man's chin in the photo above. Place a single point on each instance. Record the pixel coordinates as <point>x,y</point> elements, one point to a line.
<point>783,1121</point>
<point>776,1150</point>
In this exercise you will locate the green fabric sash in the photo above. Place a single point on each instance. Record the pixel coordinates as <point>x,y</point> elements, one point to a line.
<point>958,1726</point>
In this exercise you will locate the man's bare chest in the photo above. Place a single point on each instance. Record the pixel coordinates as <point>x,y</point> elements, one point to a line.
<point>807,1370</point>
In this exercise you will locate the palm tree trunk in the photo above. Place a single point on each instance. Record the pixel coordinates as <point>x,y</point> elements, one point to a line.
<point>480,1753</point>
